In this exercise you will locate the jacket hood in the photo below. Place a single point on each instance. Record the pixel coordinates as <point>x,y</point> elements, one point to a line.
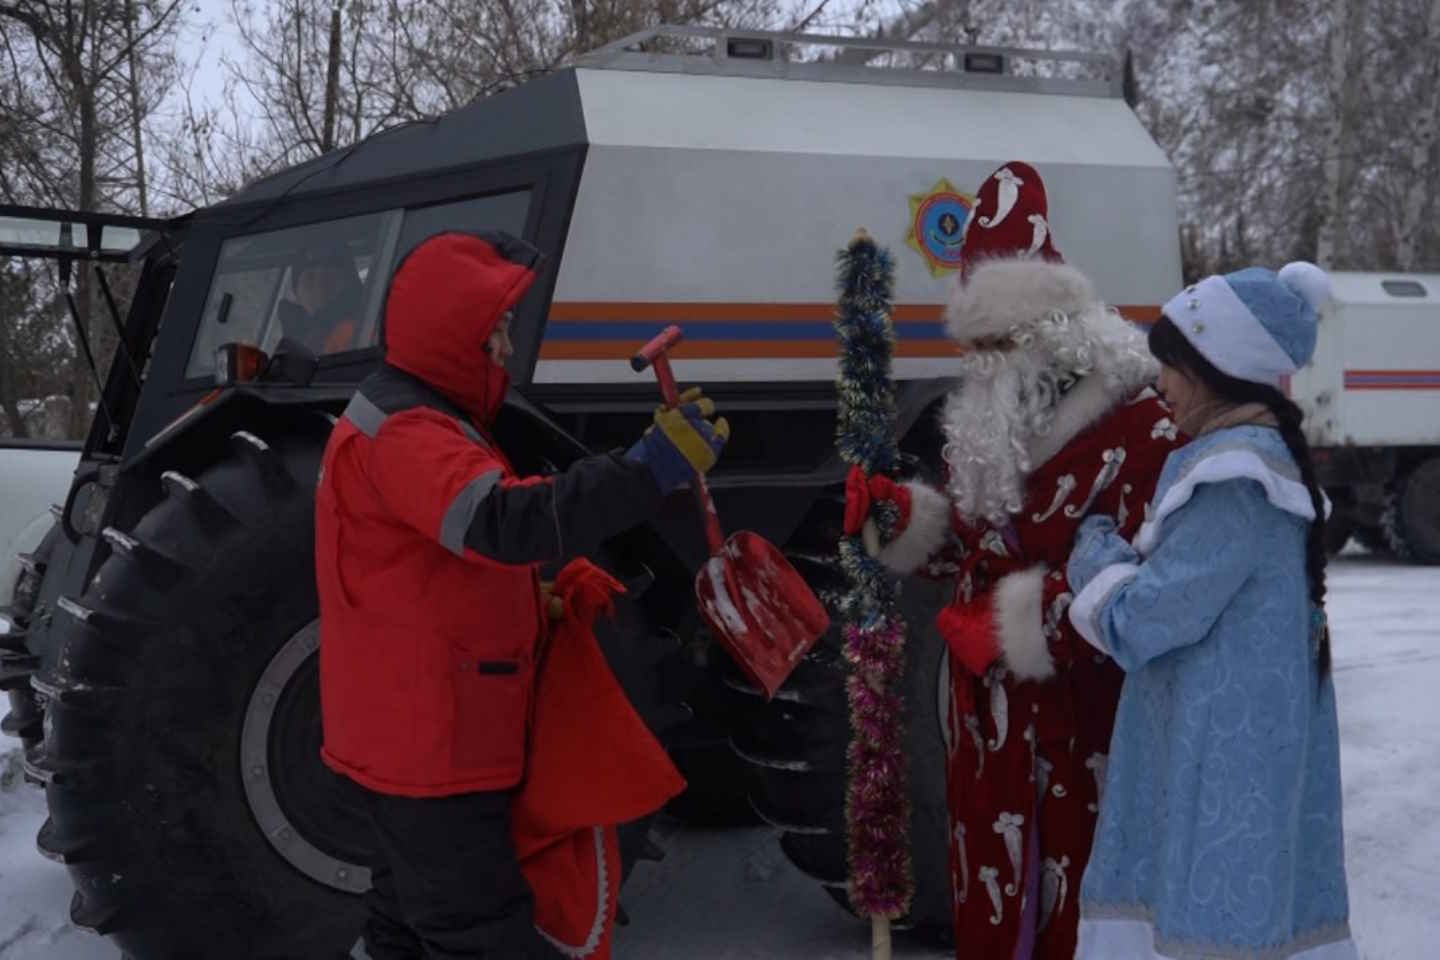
<point>446,298</point>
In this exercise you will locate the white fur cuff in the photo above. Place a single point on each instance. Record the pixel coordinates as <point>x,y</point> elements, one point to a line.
<point>1091,602</point>
<point>925,533</point>
<point>1020,621</point>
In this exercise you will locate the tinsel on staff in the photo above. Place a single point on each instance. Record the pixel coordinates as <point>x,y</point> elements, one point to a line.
<point>877,807</point>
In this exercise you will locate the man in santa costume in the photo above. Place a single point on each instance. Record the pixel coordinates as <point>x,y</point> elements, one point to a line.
<point>1052,422</point>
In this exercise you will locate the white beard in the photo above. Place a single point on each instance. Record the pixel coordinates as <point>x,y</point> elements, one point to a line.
<point>1008,415</point>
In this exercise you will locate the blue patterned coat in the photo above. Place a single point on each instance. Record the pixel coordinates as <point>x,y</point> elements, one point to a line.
<point>1220,826</point>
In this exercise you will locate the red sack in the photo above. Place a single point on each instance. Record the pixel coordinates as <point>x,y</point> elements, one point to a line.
<point>591,764</point>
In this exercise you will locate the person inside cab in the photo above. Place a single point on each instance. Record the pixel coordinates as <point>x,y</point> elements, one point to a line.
<point>326,297</point>
<point>428,547</point>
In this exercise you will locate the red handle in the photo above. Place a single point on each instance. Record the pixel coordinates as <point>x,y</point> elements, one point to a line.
<point>656,354</point>
<point>664,341</point>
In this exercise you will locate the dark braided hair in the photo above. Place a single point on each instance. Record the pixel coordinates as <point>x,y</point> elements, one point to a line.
<point>1169,346</point>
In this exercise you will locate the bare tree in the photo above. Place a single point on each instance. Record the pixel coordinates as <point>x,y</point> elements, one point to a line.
<point>1423,171</point>
<point>33,348</point>
<point>74,86</point>
<point>323,74</point>
<point>1347,41</point>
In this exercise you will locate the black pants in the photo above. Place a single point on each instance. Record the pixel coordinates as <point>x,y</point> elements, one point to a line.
<point>445,883</point>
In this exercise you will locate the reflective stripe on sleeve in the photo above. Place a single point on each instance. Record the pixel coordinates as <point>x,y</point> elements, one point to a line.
<point>367,417</point>
<point>462,511</point>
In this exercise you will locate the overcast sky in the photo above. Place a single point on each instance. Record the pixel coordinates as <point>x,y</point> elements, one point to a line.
<point>209,34</point>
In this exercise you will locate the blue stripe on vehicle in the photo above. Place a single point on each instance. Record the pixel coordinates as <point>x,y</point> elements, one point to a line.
<point>699,332</point>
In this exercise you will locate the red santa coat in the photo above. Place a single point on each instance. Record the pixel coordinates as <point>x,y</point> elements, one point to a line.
<point>1028,733</point>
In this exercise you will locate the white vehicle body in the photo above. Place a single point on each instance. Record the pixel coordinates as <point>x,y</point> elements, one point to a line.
<point>718,200</point>
<point>1371,399</point>
<point>1375,379</point>
<point>33,477</point>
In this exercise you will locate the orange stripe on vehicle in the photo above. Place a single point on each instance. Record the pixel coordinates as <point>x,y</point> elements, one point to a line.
<point>1144,315</point>
<point>735,349</point>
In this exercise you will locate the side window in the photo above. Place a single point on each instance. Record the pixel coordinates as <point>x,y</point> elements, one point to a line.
<point>324,284</point>
<point>503,211</point>
<point>1403,288</point>
<point>317,284</point>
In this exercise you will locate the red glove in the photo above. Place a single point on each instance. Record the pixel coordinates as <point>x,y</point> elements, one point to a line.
<point>861,493</point>
<point>969,632</point>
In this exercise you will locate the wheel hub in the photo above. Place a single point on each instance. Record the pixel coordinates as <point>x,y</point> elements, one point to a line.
<point>292,795</point>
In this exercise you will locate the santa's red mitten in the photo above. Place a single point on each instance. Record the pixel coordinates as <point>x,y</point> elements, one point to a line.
<point>857,501</point>
<point>919,521</point>
<point>1006,623</point>
<point>969,632</point>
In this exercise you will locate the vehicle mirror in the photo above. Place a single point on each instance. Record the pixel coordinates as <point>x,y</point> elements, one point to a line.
<point>238,363</point>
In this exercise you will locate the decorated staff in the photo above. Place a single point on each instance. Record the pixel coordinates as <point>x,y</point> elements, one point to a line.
<point>877,808</point>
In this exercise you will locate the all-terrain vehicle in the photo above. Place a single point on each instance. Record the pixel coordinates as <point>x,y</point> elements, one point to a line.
<point>162,661</point>
<point>1369,402</point>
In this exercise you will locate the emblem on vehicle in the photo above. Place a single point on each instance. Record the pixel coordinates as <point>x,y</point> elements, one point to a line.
<point>937,226</point>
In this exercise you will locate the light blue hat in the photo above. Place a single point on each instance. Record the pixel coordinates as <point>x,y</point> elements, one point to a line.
<point>1254,324</point>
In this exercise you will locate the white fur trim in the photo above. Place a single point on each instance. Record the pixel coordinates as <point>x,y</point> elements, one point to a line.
<point>928,527</point>
<point>1019,606</point>
<point>1308,282</point>
<point>1003,292</point>
<point>1218,324</point>
<point>1116,939</point>
<point>1284,493</point>
<point>1085,608</point>
<point>870,537</point>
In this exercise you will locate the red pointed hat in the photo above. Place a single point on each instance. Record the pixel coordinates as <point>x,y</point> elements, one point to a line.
<point>1010,219</point>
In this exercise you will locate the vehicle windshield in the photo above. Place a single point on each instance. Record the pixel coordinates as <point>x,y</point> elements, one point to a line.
<point>58,235</point>
<point>313,284</point>
<point>319,284</point>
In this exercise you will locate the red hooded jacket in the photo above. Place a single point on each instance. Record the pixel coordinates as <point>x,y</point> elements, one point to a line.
<point>427,544</point>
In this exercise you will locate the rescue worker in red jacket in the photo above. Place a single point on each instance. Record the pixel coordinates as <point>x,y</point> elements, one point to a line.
<point>427,552</point>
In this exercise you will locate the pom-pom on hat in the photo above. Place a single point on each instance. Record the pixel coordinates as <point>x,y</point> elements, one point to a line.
<point>1254,324</point>
<point>1010,219</point>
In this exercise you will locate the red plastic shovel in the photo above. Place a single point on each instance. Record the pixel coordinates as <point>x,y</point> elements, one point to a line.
<point>759,607</point>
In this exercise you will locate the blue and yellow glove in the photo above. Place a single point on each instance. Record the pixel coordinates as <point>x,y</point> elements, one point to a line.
<point>683,441</point>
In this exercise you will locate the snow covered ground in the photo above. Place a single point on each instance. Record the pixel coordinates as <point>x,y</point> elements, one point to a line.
<point>731,896</point>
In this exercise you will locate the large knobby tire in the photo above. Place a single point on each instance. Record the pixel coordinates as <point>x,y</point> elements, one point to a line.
<point>185,789</point>
<point>181,755</point>
<point>18,662</point>
<point>1412,518</point>
<point>1338,531</point>
<point>796,747</point>
<point>1372,538</point>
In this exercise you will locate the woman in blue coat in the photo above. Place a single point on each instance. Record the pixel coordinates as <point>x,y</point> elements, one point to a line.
<point>1220,826</point>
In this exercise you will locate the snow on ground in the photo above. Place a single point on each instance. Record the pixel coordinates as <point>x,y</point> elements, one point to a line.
<point>34,893</point>
<point>1385,622</point>
<point>730,895</point>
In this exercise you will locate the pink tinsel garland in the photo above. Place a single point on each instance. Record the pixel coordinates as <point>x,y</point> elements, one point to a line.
<point>877,808</point>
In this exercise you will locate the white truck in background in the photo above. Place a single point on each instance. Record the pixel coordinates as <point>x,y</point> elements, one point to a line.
<point>1372,411</point>
<point>34,477</point>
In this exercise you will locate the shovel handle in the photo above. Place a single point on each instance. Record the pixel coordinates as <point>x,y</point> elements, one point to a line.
<point>656,354</point>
